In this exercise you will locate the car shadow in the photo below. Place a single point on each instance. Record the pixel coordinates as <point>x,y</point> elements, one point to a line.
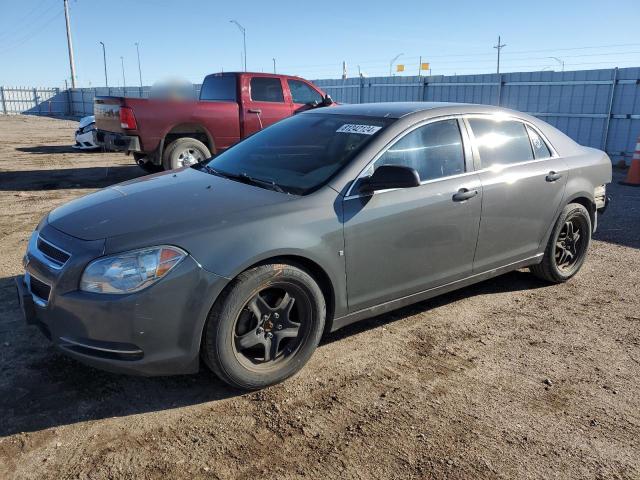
<point>67,178</point>
<point>49,149</point>
<point>510,282</point>
<point>41,388</point>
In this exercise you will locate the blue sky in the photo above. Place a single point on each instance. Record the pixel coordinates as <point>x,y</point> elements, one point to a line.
<point>190,38</point>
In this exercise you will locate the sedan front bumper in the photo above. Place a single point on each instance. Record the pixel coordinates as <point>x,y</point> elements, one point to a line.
<point>155,331</point>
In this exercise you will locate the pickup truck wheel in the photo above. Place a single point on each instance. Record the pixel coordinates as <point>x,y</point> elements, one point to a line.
<point>264,327</point>
<point>567,248</point>
<point>184,152</point>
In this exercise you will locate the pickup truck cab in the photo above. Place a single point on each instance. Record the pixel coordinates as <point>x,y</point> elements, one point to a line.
<point>172,133</point>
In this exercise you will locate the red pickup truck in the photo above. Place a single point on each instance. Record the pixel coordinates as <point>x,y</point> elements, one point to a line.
<point>167,134</point>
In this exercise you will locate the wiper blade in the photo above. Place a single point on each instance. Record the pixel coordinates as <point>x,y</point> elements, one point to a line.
<point>269,183</point>
<point>259,181</point>
<point>210,170</point>
<point>243,177</point>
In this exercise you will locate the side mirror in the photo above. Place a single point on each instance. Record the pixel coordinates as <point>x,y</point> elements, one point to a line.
<point>391,176</point>
<point>327,100</point>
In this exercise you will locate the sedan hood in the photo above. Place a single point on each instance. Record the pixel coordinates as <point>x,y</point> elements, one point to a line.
<point>173,200</point>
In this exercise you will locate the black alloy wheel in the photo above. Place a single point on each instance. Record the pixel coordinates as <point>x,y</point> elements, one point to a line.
<point>269,328</point>
<point>264,326</point>
<point>567,247</point>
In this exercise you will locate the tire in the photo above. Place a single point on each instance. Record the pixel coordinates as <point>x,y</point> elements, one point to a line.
<point>251,344</point>
<point>564,253</point>
<point>184,152</point>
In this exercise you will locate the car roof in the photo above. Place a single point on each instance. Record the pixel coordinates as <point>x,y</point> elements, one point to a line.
<point>402,109</point>
<point>256,74</point>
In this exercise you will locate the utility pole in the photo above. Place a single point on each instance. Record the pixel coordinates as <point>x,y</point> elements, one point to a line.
<point>274,65</point>
<point>124,81</point>
<point>499,47</point>
<point>104,58</point>
<point>72,63</point>
<point>139,68</point>
<point>244,41</point>
<point>392,61</point>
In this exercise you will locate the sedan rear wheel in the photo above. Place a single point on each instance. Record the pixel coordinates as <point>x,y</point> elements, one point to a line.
<point>567,248</point>
<point>264,327</point>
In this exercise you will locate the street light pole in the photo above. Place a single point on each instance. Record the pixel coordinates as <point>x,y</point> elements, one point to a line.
<point>139,67</point>
<point>244,41</point>
<point>124,81</point>
<point>104,58</point>
<point>499,47</point>
<point>392,62</point>
<point>274,65</point>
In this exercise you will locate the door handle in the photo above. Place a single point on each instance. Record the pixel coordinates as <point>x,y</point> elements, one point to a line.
<point>464,194</point>
<point>255,110</point>
<point>553,176</point>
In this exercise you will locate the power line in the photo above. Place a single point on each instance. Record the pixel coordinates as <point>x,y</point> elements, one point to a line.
<point>17,42</point>
<point>468,55</point>
<point>19,25</point>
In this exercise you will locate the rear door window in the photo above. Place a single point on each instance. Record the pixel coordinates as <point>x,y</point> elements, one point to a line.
<point>219,88</point>
<point>303,93</point>
<point>540,148</point>
<point>266,89</point>
<point>501,142</point>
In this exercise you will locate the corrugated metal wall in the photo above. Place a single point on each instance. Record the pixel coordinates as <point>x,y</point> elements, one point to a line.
<point>598,108</point>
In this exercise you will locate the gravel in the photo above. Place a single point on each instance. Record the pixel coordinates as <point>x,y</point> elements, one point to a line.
<point>447,388</point>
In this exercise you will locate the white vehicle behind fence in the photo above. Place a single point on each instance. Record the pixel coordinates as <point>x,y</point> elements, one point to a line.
<point>86,134</point>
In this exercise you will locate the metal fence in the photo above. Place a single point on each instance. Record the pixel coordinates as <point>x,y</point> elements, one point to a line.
<point>38,101</point>
<point>598,108</point>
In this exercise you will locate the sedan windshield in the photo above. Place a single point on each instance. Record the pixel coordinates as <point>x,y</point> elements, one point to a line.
<point>299,154</point>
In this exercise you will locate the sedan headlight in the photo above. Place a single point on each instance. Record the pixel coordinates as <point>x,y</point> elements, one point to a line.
<point>130,271</point>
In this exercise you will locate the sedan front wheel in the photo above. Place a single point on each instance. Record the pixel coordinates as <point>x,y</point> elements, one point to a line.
<point>264,327</point>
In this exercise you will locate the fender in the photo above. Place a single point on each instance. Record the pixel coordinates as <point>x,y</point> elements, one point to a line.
<point>167,131</point>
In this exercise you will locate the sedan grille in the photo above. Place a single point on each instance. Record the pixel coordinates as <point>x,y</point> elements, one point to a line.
<point>53,253</point>
<point>39,288</point>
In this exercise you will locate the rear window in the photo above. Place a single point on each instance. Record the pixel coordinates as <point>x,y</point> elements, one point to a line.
<point>540,148</point>
<point>501,142</point>
<point>266,89</point>
<point>219,88</point>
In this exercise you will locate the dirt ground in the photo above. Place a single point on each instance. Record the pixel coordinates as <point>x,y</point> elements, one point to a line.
<point>510,378</point>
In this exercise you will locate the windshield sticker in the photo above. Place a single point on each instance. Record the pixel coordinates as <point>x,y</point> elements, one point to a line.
<point>361,129</point>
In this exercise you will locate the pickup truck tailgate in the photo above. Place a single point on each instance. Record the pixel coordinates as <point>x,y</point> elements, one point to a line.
<point>107,113</point>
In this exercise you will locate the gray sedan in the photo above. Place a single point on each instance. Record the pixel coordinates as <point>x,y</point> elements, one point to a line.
<point>321,220</point>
